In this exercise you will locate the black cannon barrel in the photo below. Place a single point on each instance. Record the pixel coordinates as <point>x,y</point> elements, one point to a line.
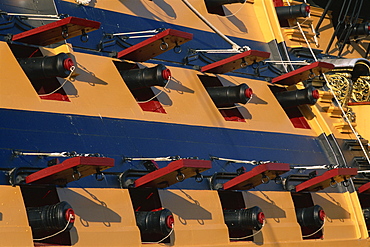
<point>146,77</point>
<point>154,225</point>
<point>311,217</point>
<point>227,96</point>
<point>244,219</point>
<point>47,67</point>
<point>51,217</point>
<point>288,99</point>
<point>293,11</point>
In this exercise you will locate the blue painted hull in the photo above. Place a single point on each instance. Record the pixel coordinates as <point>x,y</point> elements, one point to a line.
<point>29,131</point>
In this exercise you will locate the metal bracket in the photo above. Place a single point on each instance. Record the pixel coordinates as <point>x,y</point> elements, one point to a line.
<point>18,174</point>
<point>127,178</point>
<point>291,181</point>
<point>214,180</point>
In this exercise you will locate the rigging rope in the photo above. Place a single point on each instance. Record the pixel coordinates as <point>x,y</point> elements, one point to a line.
<point>162,238</point>
<point>196,12</point>
<point>70,218</point>
<point>349,122</point>
<point>352,22</point>
<point>83,2</point>
<point>309,235</point>
<point>233,14</point>
<point>168,158</point>
<point>251,162</point>
<point>337,101</point>
<point>340,22</point>
<point>62,85</point>
<point>241,238</point>
<point>155,96</point>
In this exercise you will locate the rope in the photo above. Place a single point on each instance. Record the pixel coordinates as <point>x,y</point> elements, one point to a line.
<point>60,154</point>
<point>83,2</point>
<point>310,167</point>
<point>296,25</point>
<point>138,32</point>
<point>33,15</point>
<point>364,171</point>
<point>162,238</point>
<point>312,28</point>
<point>348,121</point>
<point>252,162</point>
<point>196,12</point>
<point>309,235</point>
<point>168,158</point>
<point>155,96</point>
<point>336,99</point>
<point>232,14</point>
<point>313,55</point>
<point>62,85</point>
<point>235,106</point>
<point>305,38</point>
<point>229,108</point>
<point>69,220</point>
<point>264,221</point>
<point>349,26</point>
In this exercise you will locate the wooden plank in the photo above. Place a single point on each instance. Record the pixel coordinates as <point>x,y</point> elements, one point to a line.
<point>52,33</point>
<point>364,188</point>
<point>168,175</point>
<point>70,170</point>
<point>303,73</point>
<point>253,178</point>
<point>235,62</point>
<point>323,181</point>
<point>156,45</point>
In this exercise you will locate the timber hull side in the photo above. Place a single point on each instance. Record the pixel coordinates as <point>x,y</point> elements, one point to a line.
<point>152,166</point>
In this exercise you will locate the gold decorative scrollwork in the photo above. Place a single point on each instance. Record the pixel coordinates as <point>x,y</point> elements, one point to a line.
<point>361,89</point>
<point>341,85</point>
<point>351,115</point>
